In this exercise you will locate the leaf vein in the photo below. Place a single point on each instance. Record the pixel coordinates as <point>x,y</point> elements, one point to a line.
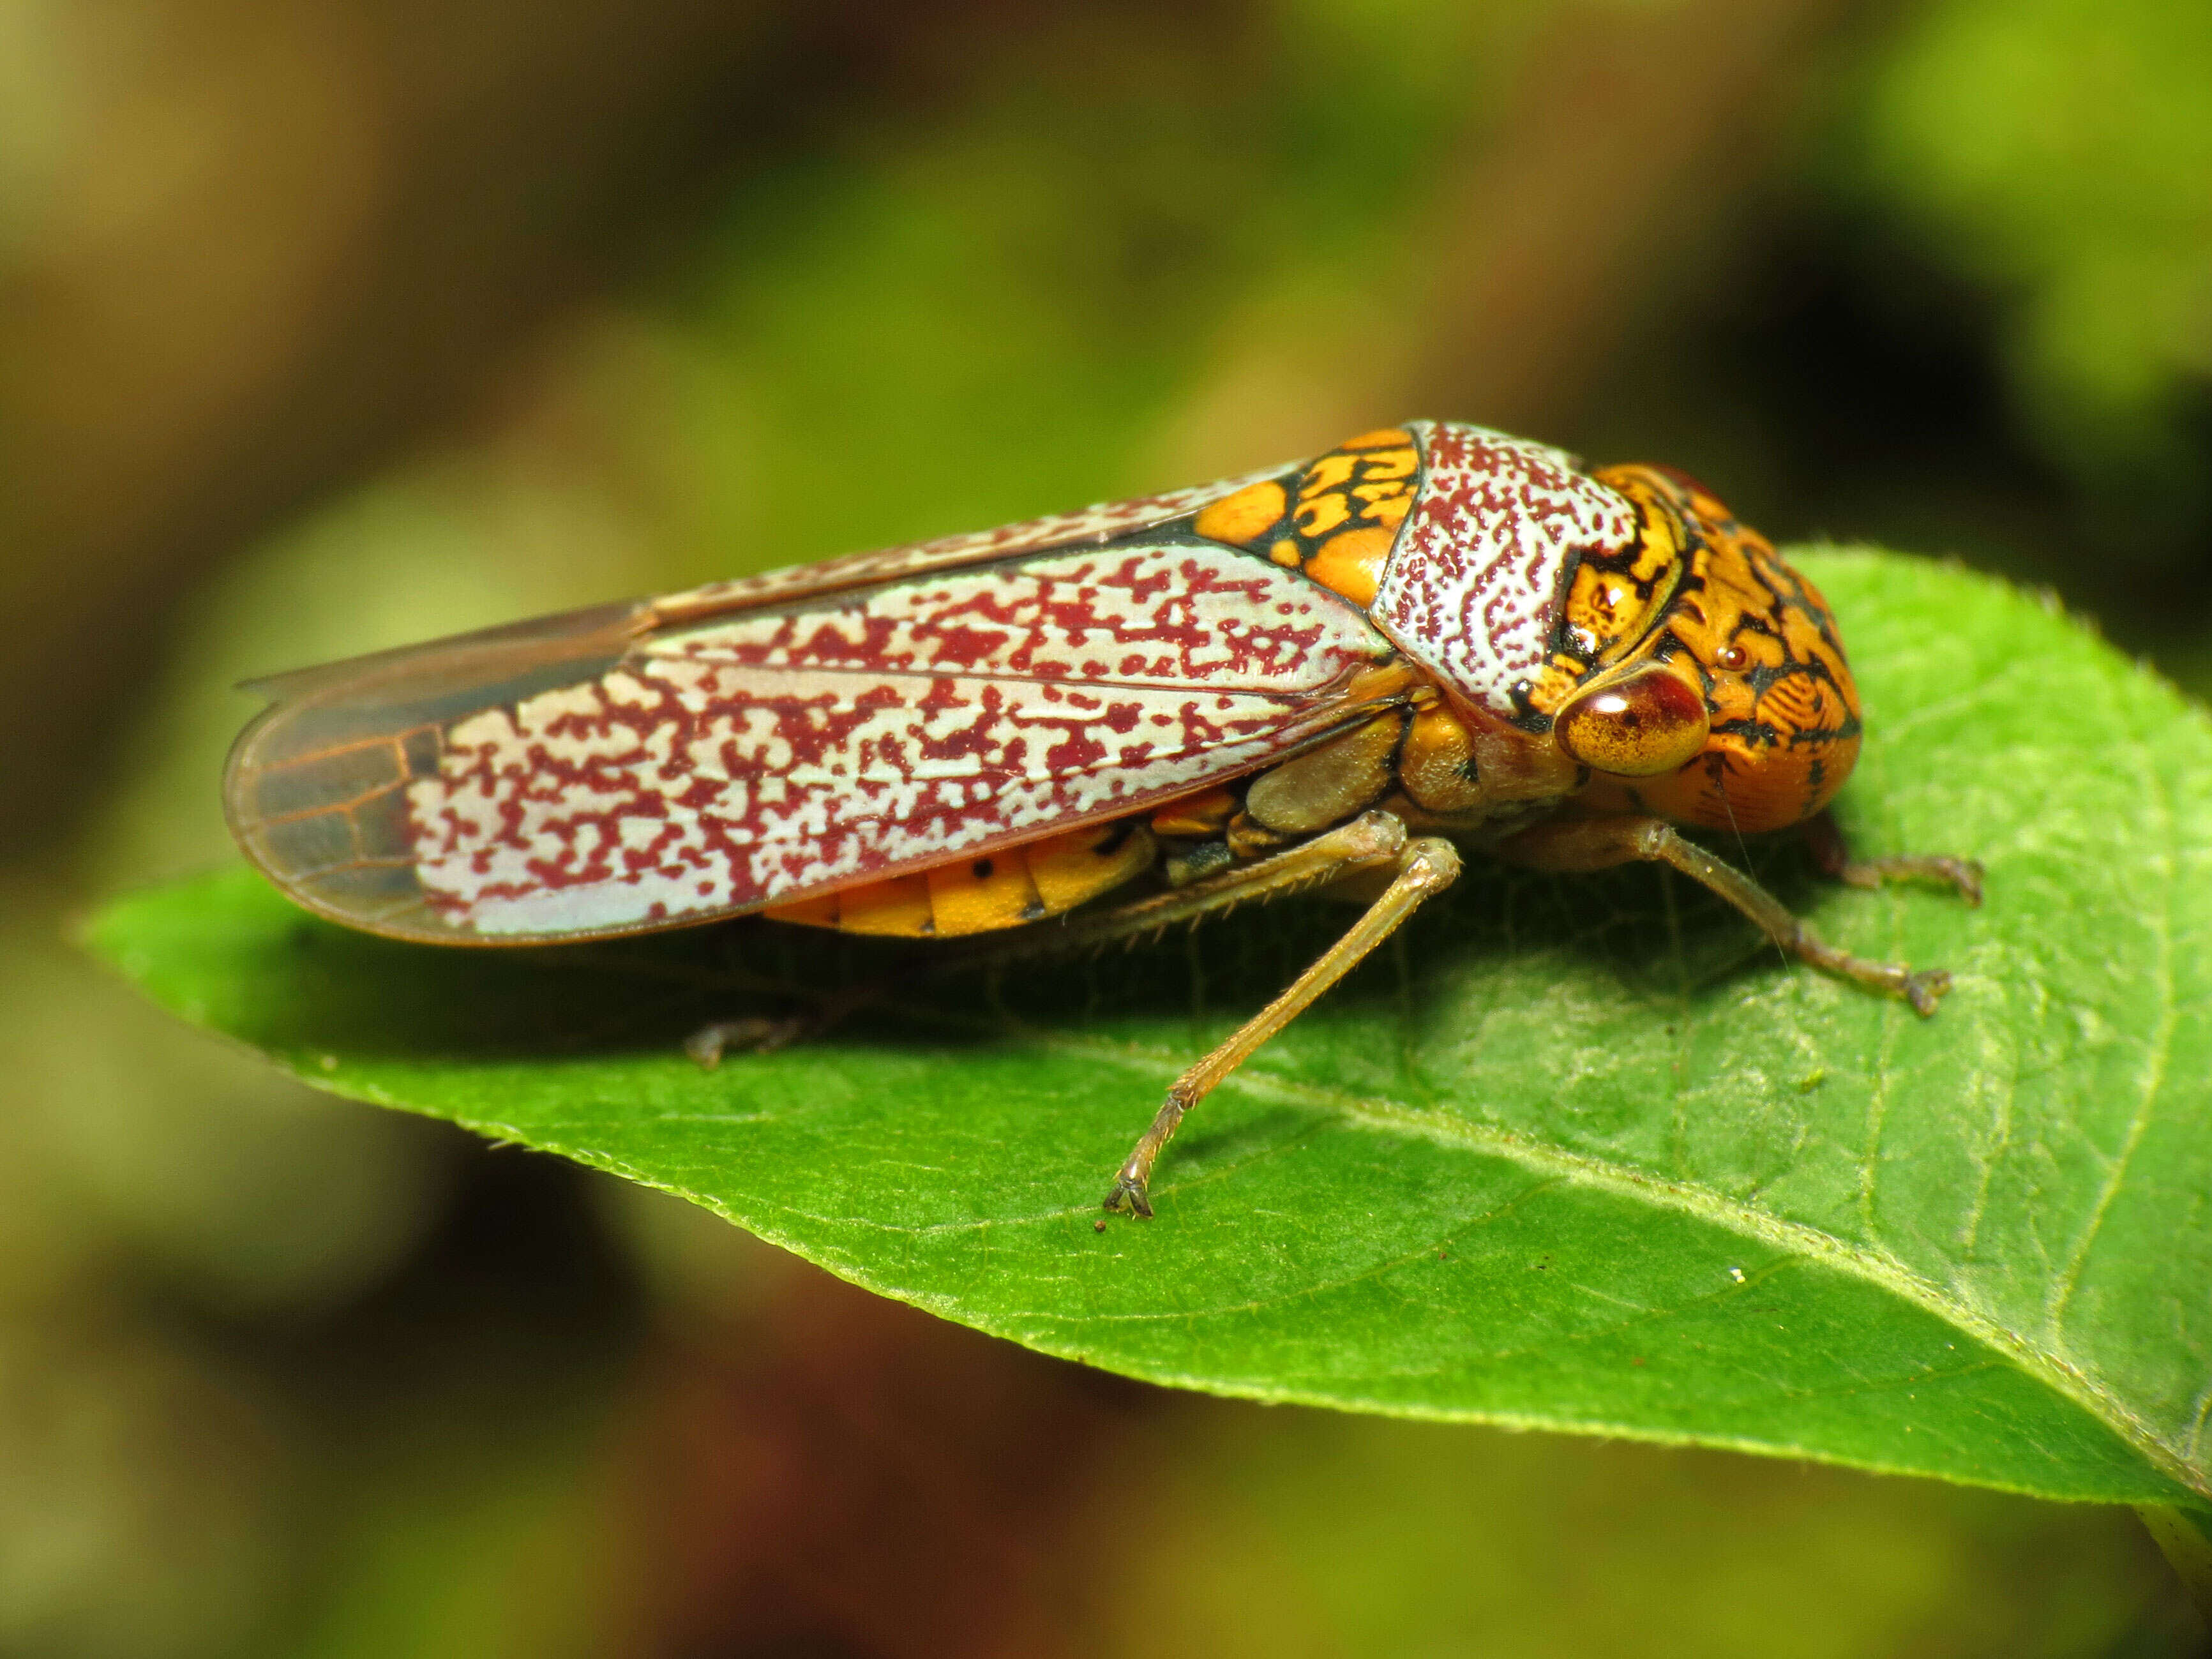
<point>1869,1262</point>
<point>2152,784</point>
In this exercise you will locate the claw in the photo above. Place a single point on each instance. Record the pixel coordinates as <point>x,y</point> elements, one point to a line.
<point>1129,1194</point>
<point>1924,990</point>
<point>1966,875</point>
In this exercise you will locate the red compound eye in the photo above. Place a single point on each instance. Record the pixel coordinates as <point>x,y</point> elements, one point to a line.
<point>1644,724</point>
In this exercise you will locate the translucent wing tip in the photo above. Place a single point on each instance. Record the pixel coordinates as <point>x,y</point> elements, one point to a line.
<point>316,787</point>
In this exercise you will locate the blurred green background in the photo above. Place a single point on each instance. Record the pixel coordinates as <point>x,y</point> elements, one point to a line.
<point>330,325</point>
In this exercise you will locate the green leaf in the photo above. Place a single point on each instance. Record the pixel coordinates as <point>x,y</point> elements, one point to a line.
<point>1577,1154</point>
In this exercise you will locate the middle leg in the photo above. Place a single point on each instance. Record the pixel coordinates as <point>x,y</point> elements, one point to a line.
<point>1577,844</point>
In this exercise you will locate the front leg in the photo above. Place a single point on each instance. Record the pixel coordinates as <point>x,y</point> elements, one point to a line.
<point>1826,837</point>
<point>1581,844</point>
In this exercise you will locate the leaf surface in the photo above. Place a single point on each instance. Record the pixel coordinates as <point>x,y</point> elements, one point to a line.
<point>1575,1153</point>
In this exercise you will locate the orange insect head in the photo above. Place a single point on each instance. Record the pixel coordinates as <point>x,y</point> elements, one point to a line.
<point>1757,644</point>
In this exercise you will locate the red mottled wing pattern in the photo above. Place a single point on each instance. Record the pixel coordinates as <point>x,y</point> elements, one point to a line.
<point>613,773</point>
<point>1100,522</point>
<point>316,787</point>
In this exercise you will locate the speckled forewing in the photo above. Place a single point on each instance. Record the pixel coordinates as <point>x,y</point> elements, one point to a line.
<point>758,758</point>
<point>1099,522</point>
<point>316,788</point>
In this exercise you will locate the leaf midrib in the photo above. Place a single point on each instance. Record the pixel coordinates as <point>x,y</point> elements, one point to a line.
<point>1870,1263</point>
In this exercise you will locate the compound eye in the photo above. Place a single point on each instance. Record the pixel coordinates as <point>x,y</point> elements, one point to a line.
<point>1644,724</point>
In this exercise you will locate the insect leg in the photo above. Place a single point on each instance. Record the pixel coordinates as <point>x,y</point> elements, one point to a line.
<point>1373,840</point>
<point>1421,868</point>
<point>1575,844</point>
<point>1826,837</point>
<point>758,1034</point>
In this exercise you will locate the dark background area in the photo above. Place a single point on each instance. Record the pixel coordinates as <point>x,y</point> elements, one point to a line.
<point>330,325</point>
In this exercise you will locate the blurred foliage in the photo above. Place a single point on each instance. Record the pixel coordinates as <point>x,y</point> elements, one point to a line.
<point>335,324</point>
<point>1349,1536</point>
<point>2056,151</point>
<point>993,314</point>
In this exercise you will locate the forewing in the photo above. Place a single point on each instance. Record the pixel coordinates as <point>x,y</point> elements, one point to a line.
<point>1086,525</point>
<point>580,777</point>
<point>316,788</point>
